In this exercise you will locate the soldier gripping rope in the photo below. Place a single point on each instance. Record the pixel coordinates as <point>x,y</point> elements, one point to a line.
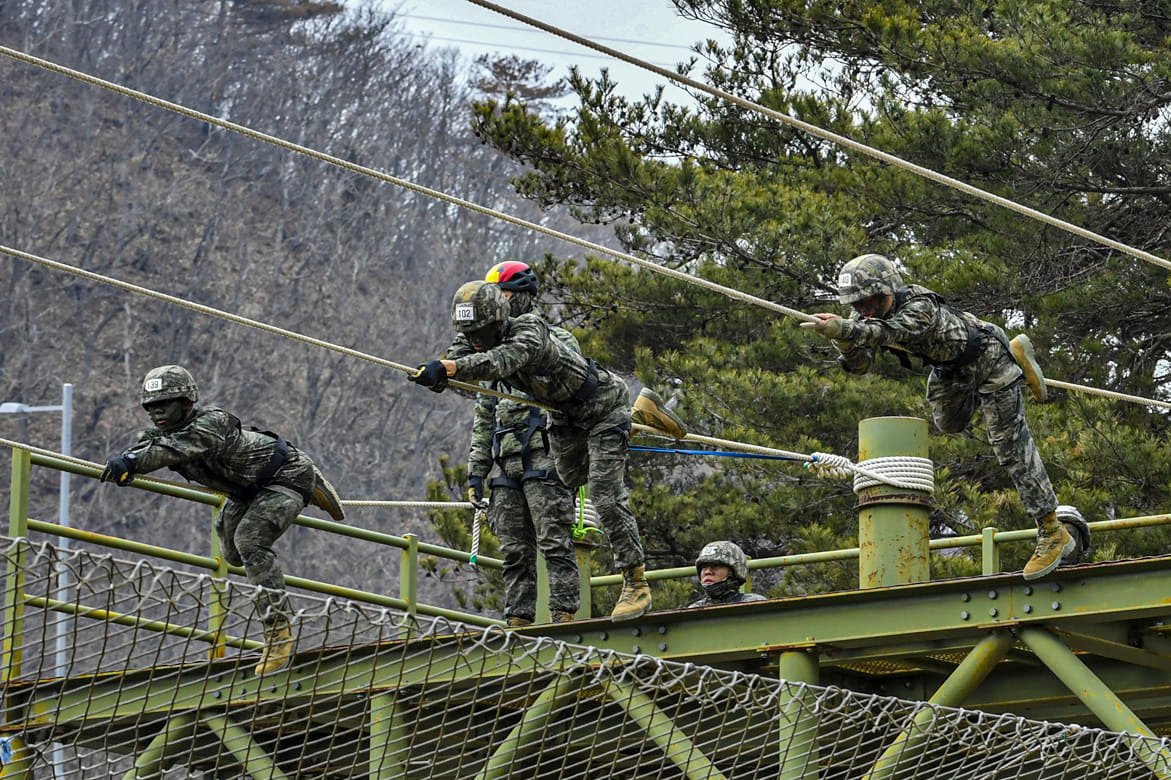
<point>972,364</point>
<point>267,480</point>
<point>531,507</point>
<point>590,427</point>
<point>722,569</point>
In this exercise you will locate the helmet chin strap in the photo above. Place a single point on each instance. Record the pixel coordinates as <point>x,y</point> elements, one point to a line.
<point>725,587</point>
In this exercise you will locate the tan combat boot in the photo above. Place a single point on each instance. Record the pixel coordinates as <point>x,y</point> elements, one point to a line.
<point>278,647</point>
<point>650,410</point>
<point>635,598</point>
<point>557,616</point>
<point>517,622</point>
<point>1022,353</point>
<point>1053,544</point>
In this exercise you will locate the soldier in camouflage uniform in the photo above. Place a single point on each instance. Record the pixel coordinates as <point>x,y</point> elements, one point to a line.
<point>268,482</point>
<point>590,425</point>
<point>971,366</point>
<point>722,568</point>
<point>531,507</point>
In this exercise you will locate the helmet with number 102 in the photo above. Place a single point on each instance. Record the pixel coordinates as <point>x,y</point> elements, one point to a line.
<point>479,311</point>
<point>866,276</point>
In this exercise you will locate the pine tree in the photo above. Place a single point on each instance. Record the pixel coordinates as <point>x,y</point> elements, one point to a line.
<point>1059,106</point>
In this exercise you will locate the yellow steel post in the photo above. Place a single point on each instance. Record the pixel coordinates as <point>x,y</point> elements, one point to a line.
<point>10,663</point>
<point>989,552</point>
<point>798,735</point>
<point>218,608</point>
<point>408,576</point>
<point>542,615</point>
<point>893,537</point>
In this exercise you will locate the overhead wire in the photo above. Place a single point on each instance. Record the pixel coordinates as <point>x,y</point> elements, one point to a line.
<point>833,137</point>
<point>256,135</point>
<point>211,311</point>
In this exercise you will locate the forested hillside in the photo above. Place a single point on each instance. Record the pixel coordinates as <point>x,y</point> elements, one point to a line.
<point>123,189</point>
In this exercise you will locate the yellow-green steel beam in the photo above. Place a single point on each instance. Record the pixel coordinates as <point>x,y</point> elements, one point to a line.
<point>1098,698</point>
<point>798,732</point>
<point>661,730</point>
<point>176,733</point>
<point>526,736</point>
<point>972,671</point>
<point>14,569</point>
<point>255,760</point>
<point>390,737</point>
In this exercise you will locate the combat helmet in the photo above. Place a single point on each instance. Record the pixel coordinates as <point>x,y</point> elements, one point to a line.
<point>166,382</point>
<point>867,275</point>
<point>726,554</point>
<point>479,310</point>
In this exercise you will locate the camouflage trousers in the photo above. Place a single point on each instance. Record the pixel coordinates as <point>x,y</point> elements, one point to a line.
<point>952,406</point>
<point>538,516</point>
<point>247,530</point>
<point>597,455</point>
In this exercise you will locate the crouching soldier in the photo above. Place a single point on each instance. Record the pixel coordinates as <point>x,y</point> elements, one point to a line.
<point>267,480</point>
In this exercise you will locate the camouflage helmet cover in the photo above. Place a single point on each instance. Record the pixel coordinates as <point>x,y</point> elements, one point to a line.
<point>477,305</point>
<point>724,553</point>
<point>867,275</point>
<point>166,382</point>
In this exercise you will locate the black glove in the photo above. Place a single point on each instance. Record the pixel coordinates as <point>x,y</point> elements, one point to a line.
<point>119,469</point>
<point>476,491</point>
<point>431,375</point>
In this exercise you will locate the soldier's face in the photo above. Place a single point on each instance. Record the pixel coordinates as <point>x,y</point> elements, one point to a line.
<point>484,339</point>
<point>711,573</point>
<point>874,306</point>
<point>168,415</point>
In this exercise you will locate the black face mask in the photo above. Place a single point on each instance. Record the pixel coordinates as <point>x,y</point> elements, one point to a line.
<point>718,591</point>
<point>487,337</point>
<point>520,303</point>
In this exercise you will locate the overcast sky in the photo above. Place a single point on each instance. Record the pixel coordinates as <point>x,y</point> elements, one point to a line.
<point>647,29</point>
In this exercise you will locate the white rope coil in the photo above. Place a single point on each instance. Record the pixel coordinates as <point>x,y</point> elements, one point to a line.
<point>900,471</point>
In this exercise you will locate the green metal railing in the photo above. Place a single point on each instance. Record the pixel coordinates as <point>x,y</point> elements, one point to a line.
<point>20,524</point>
<point>989,543</point>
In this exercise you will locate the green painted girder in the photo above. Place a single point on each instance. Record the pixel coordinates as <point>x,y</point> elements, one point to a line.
<point>943,614</point>
<point>1096,608</point>
<point>356,671</point>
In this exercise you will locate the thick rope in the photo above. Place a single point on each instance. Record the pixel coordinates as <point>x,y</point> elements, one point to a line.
<point>827,135</point>
<point>251,323</point>
<point>903,472</point>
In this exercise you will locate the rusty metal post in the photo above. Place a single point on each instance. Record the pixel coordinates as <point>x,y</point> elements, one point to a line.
<point>893,533</point>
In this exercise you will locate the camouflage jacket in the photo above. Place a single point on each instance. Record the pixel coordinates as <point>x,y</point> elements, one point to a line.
<point>507,421</point>
<point>531,359</point>
<point>213,449</point>
<point>923,325</point>
<point>735,597</point>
